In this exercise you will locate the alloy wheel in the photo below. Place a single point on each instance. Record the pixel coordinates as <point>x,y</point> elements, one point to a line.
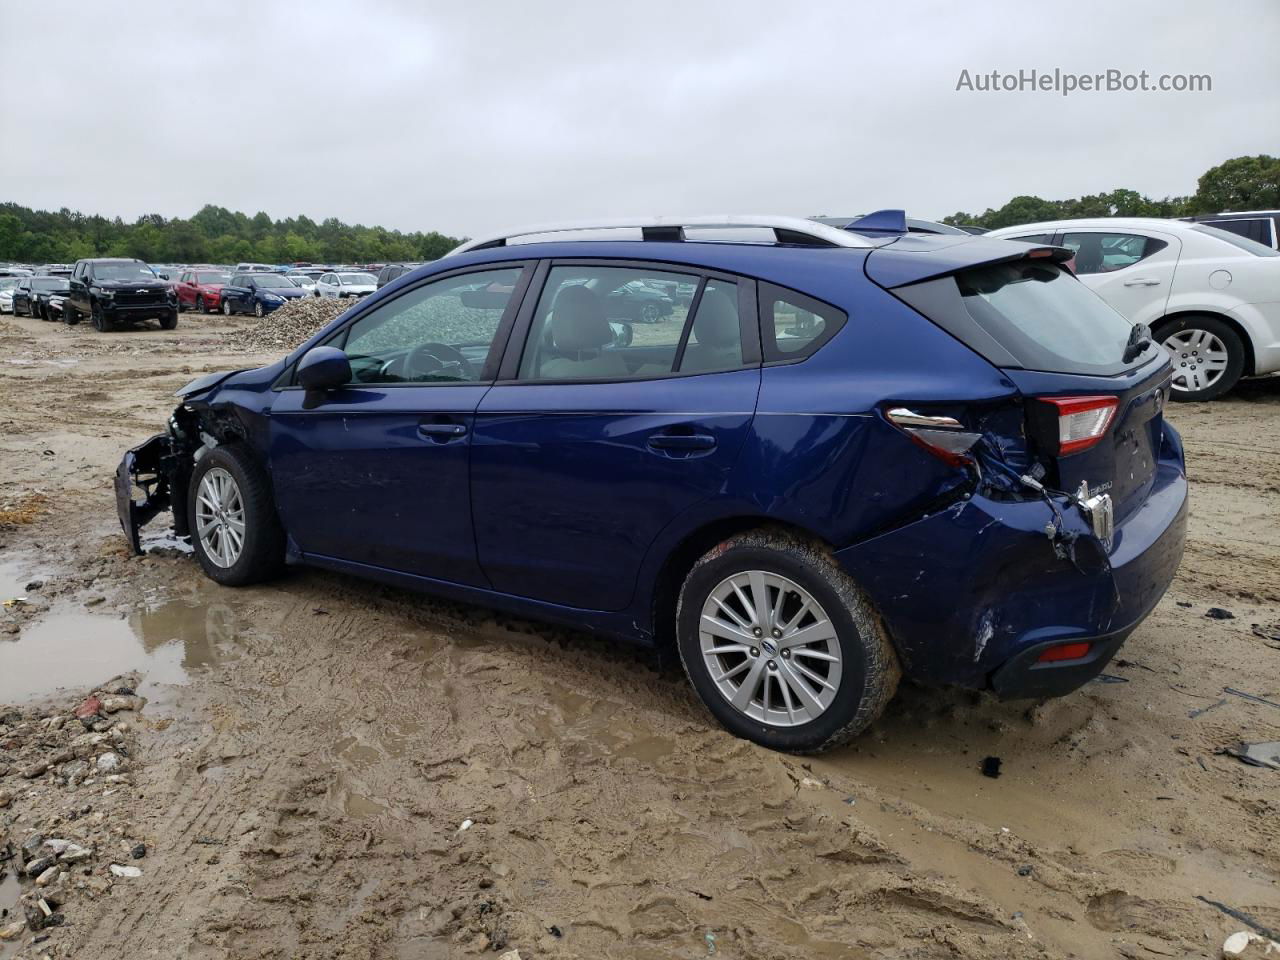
<point>649,313</point>
<point>770,648</point>
<point>1199,359</point>
<point>220,517</point>
<point>226,308</point>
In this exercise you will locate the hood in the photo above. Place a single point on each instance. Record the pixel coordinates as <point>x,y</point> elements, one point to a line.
<point>211,287</point>
<point>201,384</point>
<point>287,292</point>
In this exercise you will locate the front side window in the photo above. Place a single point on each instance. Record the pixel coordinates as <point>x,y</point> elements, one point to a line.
<point>440,332</point>
<point>1107,252</point>
<point>623,323</point>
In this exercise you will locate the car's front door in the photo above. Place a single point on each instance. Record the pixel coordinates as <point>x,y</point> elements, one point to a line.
<point>604,430</point>
<point>1133,272</point>
<point>376,473</point>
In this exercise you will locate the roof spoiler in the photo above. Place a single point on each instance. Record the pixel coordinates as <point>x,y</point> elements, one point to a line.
<point>880,223</point>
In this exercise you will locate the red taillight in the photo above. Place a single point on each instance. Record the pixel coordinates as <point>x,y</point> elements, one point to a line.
<point>1082,421</point>
<point>1065,651</point>
<point>943,436</point>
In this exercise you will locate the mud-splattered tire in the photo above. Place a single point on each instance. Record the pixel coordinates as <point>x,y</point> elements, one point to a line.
<point>788,570</point>
<point>261,552</point>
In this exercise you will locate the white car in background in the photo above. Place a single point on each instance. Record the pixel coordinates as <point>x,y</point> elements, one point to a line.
<point>1210,297</point>
<point>307,284</point>
<point>6,293</point>
<point>343,285</point>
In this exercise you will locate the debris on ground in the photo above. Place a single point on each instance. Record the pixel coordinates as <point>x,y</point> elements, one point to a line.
<point>1258,754</point>
<point>61,778</point>
<point>991,767</point>
<point>1247,945</point>
<point>1203,710</point>
<point>1218,613</point>
<point>1250,696</point>
<point>1251,922</point>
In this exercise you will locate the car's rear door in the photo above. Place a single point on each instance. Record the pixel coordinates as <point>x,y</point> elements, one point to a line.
<point>601,431</point>
<point>376,472</point>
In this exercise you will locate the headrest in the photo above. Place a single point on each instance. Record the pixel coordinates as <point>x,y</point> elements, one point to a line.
<point>578,321</point>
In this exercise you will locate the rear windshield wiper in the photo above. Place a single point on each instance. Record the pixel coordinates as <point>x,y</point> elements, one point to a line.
<point>1139,340</point>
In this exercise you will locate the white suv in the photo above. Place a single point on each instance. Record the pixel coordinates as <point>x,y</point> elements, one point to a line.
<point>1210,297</point>
<point>343,285</point>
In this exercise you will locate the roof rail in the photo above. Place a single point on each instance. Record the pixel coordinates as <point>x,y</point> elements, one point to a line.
<point>785,230</point>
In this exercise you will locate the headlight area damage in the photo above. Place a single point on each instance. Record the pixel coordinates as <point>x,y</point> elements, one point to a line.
<point>160,469</point>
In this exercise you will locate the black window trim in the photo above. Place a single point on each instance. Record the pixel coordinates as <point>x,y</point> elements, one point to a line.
<point>289,376</point>
<point>773,357</point>
<point>509,372</point>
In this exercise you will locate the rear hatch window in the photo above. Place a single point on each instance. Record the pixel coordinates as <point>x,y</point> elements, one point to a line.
<point>1031,314</point>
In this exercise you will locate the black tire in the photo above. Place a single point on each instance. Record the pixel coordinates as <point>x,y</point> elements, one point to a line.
<point>69,315</point>
<point>262,555</point>
<point>869,669</point>
<point>201,306</point>
<point>227,309</point>
<point>258,311</point>
<point>1230,340</point>
<point>169,321</point>
<point>99,318</point>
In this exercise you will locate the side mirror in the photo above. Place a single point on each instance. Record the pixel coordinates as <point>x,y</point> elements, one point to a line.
<point>321,369</point>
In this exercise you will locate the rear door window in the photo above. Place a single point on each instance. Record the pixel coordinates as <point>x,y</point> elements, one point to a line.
<point>600,323</point>
<point>1108,252</point>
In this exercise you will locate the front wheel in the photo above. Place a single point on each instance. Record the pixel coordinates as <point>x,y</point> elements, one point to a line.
<point>69,315</point>
<point>1207,355</point>
<point>99,318</point>
<point>258,311</point>
<point>781,645</point>
<point>169,321</point>
<point>201,306</point>
<point>226,308</point>
<point>235,532</point>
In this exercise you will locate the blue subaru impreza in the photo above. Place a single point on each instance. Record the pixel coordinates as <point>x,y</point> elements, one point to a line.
<point>841,457</point>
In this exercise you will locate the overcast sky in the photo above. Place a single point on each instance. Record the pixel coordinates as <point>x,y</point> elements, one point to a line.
<point>475,116</point>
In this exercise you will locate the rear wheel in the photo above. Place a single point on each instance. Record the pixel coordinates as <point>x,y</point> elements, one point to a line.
<point>235,532</point>
<point>781,645</point>
<point>1208,356</point>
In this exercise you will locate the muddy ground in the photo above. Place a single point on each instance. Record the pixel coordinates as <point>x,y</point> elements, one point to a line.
<point>309,750</point>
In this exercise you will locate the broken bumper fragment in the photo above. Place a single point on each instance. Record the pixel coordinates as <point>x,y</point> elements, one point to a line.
<point>146,468</point>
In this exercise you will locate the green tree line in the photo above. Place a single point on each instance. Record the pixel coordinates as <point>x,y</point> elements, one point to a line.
<point>1241,183</point>
<point>214,235</point>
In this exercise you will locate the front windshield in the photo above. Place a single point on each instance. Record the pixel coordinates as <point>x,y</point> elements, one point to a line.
<point>1244,243</point>
<point>276,281</point>
<point>357,278</point>
<point>213,278</point>
<point>122,271</point>
<point>8,283</point>
<point>299,281</point>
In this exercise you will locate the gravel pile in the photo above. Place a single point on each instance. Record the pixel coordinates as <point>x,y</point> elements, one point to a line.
<point>66,785</point>
<point>285,328</point>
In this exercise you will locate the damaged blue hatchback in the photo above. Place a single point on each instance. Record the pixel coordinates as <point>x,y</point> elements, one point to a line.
<point>834,457</point>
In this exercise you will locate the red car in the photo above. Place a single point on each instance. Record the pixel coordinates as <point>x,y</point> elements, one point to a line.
<point>201,289</point>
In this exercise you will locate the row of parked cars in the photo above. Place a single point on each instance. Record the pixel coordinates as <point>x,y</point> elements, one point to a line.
<point>1208,290</point>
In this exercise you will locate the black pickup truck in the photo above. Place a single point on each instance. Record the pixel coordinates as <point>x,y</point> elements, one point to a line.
<point>113,291</point>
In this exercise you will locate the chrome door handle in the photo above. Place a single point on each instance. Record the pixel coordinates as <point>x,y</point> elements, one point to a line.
<point>1142,282</point>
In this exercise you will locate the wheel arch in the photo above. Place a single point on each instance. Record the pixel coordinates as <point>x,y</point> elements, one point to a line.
<point>691,548</point>
<point>1230,321</point>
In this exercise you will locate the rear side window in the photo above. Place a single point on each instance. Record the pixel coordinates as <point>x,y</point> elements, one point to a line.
<point>793,325</point>
<point>1258,230</point>
<point>1107,252</point>
<point>1029,314</point>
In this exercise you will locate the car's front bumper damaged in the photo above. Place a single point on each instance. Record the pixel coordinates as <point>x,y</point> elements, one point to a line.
<point>158,470</point>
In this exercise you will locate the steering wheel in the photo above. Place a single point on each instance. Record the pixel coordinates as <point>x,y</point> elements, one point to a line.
<point>431,358</point>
